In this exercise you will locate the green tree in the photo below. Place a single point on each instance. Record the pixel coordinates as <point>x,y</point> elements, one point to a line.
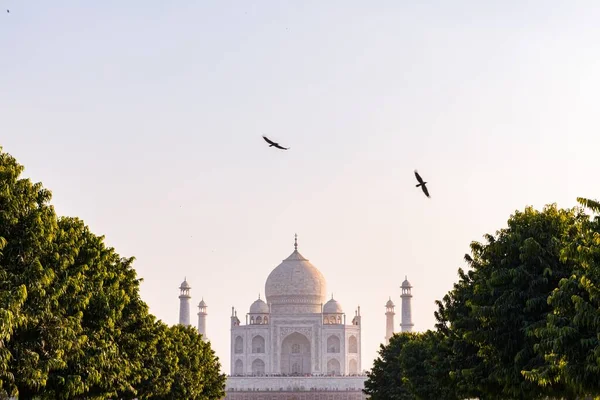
<point>44,333</point>
<point>386,380</point>
<point>570,340</point>
<point>162,363</point>
<point>468,371</point>
<point>425,362</point>
<point>115,323</point>
<point>412,366</point>
<point>72,322</point>
<point>522,323</point>
<point>512,276</point>
<point>196,373</point>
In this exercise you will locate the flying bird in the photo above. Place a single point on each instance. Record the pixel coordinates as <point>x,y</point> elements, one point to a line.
<point>422,184</point>
<point>272,143</point>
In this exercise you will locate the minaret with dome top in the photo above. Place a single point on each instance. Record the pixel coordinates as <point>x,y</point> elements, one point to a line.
<point>184,303</point>
<point>389,320</point>
<point>406,296</point>
<point>202,313</point>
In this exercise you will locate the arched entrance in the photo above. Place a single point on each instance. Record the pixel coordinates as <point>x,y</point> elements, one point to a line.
<point>295,355</point>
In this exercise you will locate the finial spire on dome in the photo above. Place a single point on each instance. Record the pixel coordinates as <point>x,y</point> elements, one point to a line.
<point>296,241</point>
<point>259,296</point>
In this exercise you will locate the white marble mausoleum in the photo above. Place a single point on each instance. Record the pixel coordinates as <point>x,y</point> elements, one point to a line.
<point>296,344</point>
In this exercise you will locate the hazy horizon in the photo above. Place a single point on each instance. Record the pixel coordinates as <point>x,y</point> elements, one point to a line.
<point>145,120</point>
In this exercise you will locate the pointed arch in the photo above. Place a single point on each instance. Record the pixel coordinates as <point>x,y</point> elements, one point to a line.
<point>352,344</point>
<point>258,344</point>
<point>239,345</point>
<point>333,344</point>
<point>239,367</point>
<point>295,354</point>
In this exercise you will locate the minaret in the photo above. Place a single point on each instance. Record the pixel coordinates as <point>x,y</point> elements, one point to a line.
<point>406,325</point>
<point>202,319</point>
<point>389,320</point>
<point>184,303</point>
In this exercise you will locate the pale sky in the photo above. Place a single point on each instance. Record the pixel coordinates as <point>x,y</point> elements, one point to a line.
<point>145,118</point>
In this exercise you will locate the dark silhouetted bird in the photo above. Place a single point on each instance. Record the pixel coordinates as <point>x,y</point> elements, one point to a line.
<point>422,184</point>
<point>272,143</point>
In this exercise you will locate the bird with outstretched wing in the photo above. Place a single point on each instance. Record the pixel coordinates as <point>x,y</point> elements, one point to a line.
<point>422,184</point>
<point>274,144</point>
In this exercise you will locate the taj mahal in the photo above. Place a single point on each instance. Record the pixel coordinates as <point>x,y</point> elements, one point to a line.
<point>296,344</point>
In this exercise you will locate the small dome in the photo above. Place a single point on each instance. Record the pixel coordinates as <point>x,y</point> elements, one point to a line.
<point>185,285</point>
<point>259,307</point>
<point>389,303</point>
<point>332,307</point>
<point>202,303</point>
<point>406,283</point>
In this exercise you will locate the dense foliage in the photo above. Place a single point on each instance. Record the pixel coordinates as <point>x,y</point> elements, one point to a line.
<point>570,339</point>
<point>523,322</point>
<point>72,323</point>
<point>412,366</point>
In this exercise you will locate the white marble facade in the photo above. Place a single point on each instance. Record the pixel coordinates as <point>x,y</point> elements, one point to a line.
<point>295,332</point>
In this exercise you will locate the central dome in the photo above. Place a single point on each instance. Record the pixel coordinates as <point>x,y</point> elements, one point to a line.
<point>295,286</point>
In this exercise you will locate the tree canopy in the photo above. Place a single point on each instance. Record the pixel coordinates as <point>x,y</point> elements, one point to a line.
<point>72,322</point>
<point>570,339</point>
<point>412,366</point>
<point>522,322</point>
<point>386,379</point>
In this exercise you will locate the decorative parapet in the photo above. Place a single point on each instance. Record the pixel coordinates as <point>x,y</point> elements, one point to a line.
<point>295,383</point>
